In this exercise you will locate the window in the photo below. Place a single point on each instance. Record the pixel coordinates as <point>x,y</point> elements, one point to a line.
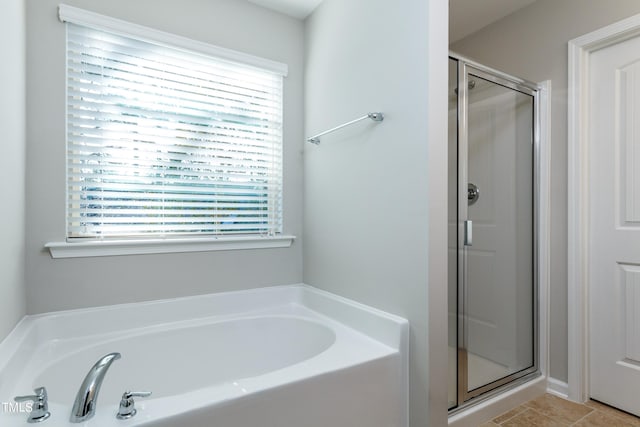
<point>166,141</point>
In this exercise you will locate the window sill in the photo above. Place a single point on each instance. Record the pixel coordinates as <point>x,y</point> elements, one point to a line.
<point>98,248</point>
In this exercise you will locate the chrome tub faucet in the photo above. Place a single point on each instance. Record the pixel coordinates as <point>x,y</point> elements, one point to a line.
<point>128,406</point>
<point>84,406</point>
<point>40,408</point>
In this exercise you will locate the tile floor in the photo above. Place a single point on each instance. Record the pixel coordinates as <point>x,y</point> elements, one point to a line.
<point>552,411</point>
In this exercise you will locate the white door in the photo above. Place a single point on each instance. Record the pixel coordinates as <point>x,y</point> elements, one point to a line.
<point>614,225</point>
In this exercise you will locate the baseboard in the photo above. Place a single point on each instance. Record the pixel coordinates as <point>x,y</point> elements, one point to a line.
<point>558,388</point>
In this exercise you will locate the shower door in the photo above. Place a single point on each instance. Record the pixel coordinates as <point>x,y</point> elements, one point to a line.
<point>495,245</point>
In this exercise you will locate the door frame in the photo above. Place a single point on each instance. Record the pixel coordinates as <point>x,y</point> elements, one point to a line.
<point>524,389</point>
<point>580,50</point>
<point>465,69</point>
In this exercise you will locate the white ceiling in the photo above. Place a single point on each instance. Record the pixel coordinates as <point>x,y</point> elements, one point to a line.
<point>468,16</point>
<point>465,16</point>
<point>297,8</point>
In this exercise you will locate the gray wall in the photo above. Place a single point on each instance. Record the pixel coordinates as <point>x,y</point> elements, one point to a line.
<point>532,44</point>
<point>12,164</point>
<point>365,203</point>
<point>82,282</point>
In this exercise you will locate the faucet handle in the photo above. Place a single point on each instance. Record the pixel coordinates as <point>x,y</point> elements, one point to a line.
<point>130,394</point>
<point>127,407</point>
<point>40,409</point>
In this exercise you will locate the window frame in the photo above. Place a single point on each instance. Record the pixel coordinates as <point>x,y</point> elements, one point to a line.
<point>108,246</point>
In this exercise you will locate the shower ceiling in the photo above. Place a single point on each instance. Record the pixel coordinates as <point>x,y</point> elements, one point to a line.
<point>468,16</point>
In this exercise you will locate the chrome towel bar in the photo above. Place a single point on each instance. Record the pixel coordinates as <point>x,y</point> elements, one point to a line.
<point>376,117</point>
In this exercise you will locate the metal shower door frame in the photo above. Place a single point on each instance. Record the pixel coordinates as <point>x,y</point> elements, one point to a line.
<point>465,68</point>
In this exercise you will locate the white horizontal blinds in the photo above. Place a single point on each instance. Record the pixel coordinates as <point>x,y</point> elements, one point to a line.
<point>162,141</point>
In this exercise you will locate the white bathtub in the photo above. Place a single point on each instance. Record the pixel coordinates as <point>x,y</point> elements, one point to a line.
<point>289,356</point>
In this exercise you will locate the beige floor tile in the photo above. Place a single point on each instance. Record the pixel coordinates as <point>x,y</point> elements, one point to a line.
<point>532,418</point>
<point>602,419</point>
<point>632,420</point>
<point>552,411</point>
<point>510,414</point>
<point>559,409</point>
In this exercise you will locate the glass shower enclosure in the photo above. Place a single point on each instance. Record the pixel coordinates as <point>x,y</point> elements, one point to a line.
<point>493,135</point>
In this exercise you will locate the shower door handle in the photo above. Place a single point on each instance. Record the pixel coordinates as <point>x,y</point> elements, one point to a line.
<point>468,233</point>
